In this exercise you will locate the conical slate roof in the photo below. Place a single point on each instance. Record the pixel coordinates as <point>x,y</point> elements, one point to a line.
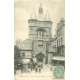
<point>33,15</point>
<point>47,17</point>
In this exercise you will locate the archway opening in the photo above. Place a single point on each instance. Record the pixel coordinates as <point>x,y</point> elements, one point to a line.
<point>40,57</point>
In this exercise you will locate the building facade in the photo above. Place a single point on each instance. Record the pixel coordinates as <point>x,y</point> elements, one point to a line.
<point>58,42</point>
<point>41,46</point>
<point>26,48</point>
<point>61,38</point>
<point>37,46</point>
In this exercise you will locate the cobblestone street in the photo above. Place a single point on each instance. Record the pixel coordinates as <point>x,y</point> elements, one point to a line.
<point>45,74</point>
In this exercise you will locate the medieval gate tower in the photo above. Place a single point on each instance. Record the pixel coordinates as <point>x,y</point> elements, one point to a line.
<point>40,33</point>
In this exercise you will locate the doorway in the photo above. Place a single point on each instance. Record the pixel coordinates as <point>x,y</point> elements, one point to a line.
<point>40,57</point>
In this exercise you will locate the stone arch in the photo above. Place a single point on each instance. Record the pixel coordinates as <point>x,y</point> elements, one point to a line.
<point>40,57</point>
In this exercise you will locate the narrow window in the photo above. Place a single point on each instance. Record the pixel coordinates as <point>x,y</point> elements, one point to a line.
<point>57,43</point>
<point>61,40</point>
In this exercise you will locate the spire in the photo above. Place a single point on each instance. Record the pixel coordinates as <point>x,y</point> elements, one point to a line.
<point>47,17</point>
<point>40,17</point>
<point>40,9</point>
<point>33,15</point>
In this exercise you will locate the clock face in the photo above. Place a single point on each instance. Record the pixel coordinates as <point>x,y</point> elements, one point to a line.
<point>58,72</point>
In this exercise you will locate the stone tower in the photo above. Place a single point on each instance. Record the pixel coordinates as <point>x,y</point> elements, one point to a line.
<point>40,32</point>
<point>41,26</point>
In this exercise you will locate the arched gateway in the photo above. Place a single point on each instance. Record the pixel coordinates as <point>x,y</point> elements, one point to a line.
<point>40,57</point>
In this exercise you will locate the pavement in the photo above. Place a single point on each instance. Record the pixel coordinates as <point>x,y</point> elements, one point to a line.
<point>45,74</point>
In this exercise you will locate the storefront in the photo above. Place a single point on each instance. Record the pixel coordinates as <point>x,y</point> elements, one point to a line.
<point>58,60</point>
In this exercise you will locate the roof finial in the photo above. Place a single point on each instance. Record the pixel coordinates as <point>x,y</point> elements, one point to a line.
<point>40,9</point>
<point>33,15</point>
<point>40,12</point>
<point>40,4</point>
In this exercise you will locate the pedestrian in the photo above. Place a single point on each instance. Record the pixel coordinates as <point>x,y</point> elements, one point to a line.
<point>40,66</point>
<point>40,69</point>
<point>21,67</point>
<point>36,67</point>
<point>34,64</point>
<point>31,65</point>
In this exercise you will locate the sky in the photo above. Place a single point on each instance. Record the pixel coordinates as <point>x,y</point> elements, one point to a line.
<point>24,8</point>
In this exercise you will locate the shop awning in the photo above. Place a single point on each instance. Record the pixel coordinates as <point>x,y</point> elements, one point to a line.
<point>25,61</point>
<point>59,58</point>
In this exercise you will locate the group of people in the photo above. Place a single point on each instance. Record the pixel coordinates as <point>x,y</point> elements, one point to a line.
<point>32,65</point>
<point>35,66</point>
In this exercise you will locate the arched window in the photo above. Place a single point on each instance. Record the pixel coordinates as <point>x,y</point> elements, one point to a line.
<point>40,34</point>
<point>31,29</point>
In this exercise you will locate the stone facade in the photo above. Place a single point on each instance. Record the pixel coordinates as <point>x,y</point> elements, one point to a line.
<point>37,46</point>
<point>58,42</point>
<point>25,48</point>
<point>40,33</point>
<point>61,37</point>
<point>40,45</point>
